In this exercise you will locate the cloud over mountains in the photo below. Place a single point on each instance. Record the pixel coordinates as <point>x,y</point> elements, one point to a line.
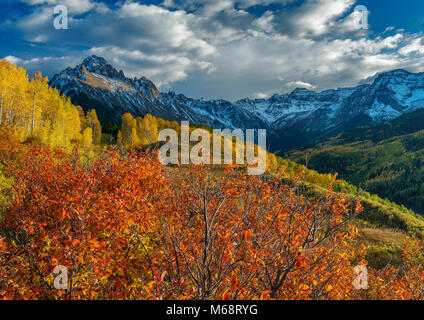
<point>218,48</point>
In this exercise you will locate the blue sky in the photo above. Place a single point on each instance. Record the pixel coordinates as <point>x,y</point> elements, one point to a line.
<point>220,48</point>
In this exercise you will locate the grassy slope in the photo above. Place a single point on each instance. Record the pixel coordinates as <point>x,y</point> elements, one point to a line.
<point>384,229</point>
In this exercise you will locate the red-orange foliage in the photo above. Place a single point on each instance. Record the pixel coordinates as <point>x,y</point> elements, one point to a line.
<point>239,237</point>
<point>91,220</point>
<point>10,148</point>
<point>128,228</point>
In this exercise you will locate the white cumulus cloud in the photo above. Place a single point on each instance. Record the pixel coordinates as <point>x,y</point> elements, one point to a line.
<point>221,48</point>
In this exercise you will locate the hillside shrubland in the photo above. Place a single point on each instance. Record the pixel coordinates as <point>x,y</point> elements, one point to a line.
<point>127,227</point>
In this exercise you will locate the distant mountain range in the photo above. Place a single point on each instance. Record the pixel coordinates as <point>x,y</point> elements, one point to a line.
<point>300,118</point>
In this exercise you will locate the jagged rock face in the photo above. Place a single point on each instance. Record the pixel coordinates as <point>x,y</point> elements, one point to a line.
<point>392,94</point>
<point>296,119</point>
<point>96,84</point>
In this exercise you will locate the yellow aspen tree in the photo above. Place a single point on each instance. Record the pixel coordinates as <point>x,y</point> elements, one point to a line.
<point>140,131</point>
<point>119,141</point>
<point>129,130</point>
<point>87,138</point>
<point>150,126</point>
<point>4,87</point>
<point>272,164</point>
<point>93,122</point>
<point>35,110</point>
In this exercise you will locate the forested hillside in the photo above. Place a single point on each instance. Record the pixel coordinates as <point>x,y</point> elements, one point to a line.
<point>36,111</point>
<point>386,159</point>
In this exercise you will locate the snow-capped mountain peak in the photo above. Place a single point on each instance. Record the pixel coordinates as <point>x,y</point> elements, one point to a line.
<point>292,119</point>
